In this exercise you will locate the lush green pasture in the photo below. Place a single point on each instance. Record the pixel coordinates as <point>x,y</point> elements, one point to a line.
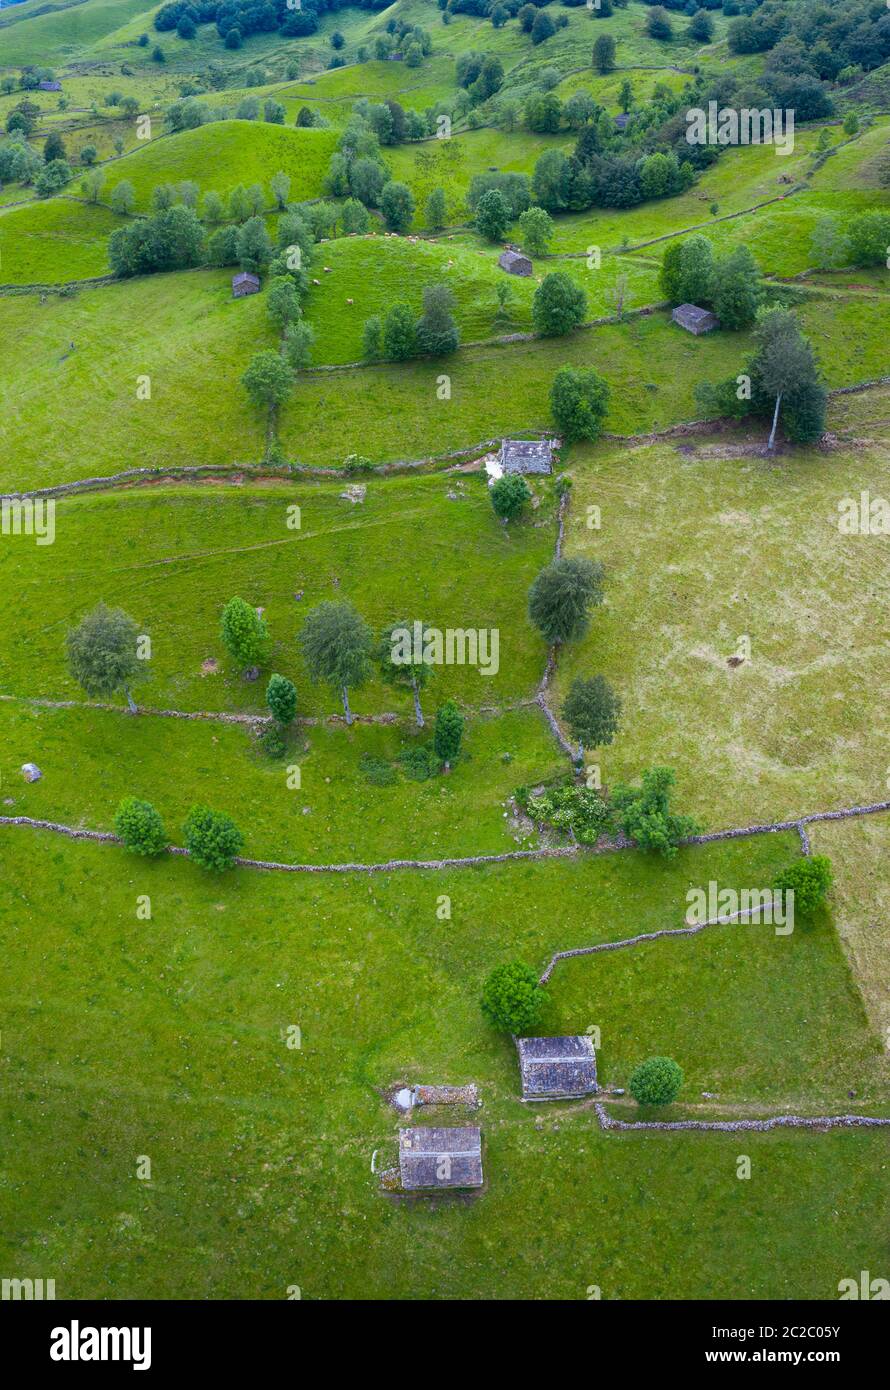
<point>51,242</point>
<point>369,274</point>
<point>91,759</point>
<point>227,153</point>
<point>173,557</point>
<point>72,412</point>
<point>167,1039</point>
<point>394,412</point>
<point>64,33</point>
<point>704,546</point>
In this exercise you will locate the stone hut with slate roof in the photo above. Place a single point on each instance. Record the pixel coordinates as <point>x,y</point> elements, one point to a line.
<point>433,1159</point>
<point>50,85</point>
<point>244,283</point>
<point>557,1068</point>
<point>694,319</point>
<point>514,262</point>
<point>525,456</point>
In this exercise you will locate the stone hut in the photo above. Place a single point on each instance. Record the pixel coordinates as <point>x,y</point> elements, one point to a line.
<point>694,319</point>
<point>525,456</point>
<point>432,1159</point>
<point>245,283</point>
<point>557,1068</point>
<point>514,262</point>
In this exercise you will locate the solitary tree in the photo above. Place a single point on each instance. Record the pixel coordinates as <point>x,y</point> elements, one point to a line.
<point>604,53</point>
<point>509,496</point>
<point>592,709</point>
<point>102,654</point>
<point>645,815</point>
<point>512,997</point>
<point>244,633</point>
<point>435,211</point>
<point>140,827</point>
<point>281,697</point>
<point>449,732</point>
<point>212,838</point>
<point>559,304</point>
<point>785,360</point>
<point>268,379</point>
<point>437,332</point>
<point>561,597</point>
<point>579,399</point>
<point>809,880</point>
<point>337,643</point>
<point>493,215</point>
<point>656,1081</point>
<point>401,665</point>
<point>536,228</point>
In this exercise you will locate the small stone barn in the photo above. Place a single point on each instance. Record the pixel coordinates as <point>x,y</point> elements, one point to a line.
<point>694,319</point>
<point>431,1159</point>
<point>514,262</point>
<point>525,456</point>
<point>622,120</point>
<point>557,1068</point>
<point>53,86</point>
<point>245,283</point>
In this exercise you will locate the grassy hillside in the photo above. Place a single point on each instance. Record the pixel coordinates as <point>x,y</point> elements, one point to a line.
<point>53,242</point>
<point>222,155</point>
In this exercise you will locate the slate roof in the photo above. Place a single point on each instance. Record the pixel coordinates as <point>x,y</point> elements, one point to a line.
<point>245,282</point>
<point>554,1067</point>
<point>50,86</point>
<point>525,456</point>
<point>622,120</point>
<point>440,1158</point>
<point>515,262</point>
<point>696,320</point>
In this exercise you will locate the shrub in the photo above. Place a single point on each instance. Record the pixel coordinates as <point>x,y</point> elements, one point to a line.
<point>449,732</point>
<point>281,697</point>
<point>576,810</point>
<point>809,880</point>
<point>656,1081</point>
<point>509,496</point>
<point>212,838</point>
<point>377,771</point>
<point>512,998</point>
<point>140,827</point>
<point>272,741</point>
<point>419,763</point>
<point>591,710</point>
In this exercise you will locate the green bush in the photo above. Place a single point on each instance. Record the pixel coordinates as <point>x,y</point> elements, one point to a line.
<point>644,813</point>
<point>419,763</point>
<point>578,810</point>
<point>140,827</point>
<point>656,1081</point>
<point>243,631</point>
<point>212,838</point>
<point>809,880</point>
<point>512,998</point>
<point>281,697</point>
<point>272,741</point>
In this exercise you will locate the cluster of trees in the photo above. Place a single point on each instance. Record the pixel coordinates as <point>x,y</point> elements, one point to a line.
<point>212,838</point>
<point>235,20</point>
<point>21,163</point>
<point>400,335</point>
<point>866,241</point>
<point>357,170</point>
<point>597,174</point>
<point>781,379</point>
<point>830,42</point>
<point>729,284</point>
<point>479,75</point>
